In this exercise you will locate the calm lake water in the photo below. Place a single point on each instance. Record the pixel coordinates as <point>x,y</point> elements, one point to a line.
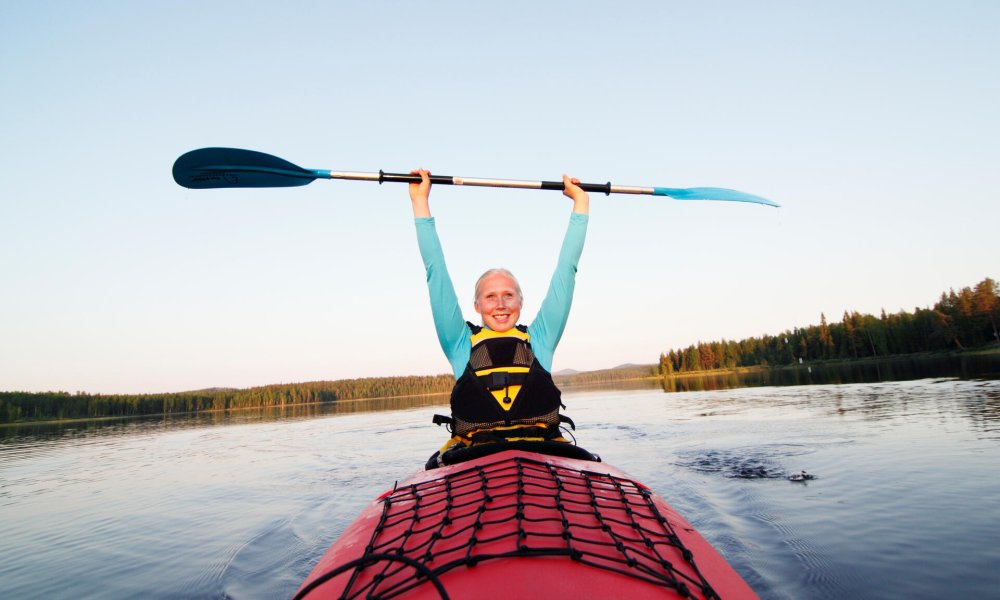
<point>905,503</point>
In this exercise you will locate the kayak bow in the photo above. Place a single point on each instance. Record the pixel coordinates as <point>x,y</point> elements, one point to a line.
<point>520,524</point>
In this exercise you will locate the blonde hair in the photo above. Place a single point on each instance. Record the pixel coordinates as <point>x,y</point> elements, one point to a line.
<point>498,271</point>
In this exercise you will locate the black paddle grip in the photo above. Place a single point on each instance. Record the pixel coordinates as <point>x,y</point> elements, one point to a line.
<point>408,178</point>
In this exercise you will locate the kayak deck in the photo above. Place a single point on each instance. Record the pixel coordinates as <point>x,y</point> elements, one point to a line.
<point>521,524</point>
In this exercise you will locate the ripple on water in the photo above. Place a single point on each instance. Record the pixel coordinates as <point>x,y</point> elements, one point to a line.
<point>254,568</point>
<point>749,462</point>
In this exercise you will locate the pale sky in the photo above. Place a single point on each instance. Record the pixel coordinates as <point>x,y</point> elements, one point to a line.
<point>874,124</point>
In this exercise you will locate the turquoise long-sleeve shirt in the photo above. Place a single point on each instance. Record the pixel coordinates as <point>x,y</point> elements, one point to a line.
<point>549,323</point>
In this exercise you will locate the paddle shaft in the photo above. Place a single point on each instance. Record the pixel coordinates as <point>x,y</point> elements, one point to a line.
<point>383,177</point>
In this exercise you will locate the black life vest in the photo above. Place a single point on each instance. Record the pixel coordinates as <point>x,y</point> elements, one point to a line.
<point>504,394</point>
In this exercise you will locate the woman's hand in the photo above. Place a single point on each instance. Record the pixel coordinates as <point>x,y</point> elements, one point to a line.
<point>420,193</point>
<point>572,190</point>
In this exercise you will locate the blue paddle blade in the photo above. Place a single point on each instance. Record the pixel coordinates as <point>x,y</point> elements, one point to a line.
<point>235,168</point>
<point>707,193</point>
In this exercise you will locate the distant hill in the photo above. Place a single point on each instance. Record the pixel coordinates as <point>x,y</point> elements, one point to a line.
<point>620,373</point>
<point>565,373</point>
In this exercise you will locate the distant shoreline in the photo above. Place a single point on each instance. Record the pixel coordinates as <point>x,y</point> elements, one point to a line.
<point>840,361</point>
<point>631,373</point>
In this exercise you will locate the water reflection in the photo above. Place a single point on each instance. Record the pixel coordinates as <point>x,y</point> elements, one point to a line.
<point>984,410</point>
<point>905,368</point>
<point>76,430</point>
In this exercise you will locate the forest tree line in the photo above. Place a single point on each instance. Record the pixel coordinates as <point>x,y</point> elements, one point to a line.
<point>958,321</point>
<point>29,406</point>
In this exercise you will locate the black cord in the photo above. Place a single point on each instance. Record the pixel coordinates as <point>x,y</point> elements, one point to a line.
<point>370,559</point>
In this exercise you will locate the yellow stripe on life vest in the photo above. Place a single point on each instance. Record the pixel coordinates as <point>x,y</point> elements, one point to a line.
<point>485,334</point>
<point>508,428</point>
<point>503,369</point>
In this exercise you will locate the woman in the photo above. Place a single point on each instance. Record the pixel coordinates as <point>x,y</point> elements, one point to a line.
<point>503,388</point>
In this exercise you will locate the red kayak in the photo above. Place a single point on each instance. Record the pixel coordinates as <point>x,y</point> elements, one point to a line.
<point>520,524</point>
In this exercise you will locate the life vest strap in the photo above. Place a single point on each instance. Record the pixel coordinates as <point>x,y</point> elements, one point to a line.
<point>540,429</point>
<point>538,432</point>
<point>463,428</point>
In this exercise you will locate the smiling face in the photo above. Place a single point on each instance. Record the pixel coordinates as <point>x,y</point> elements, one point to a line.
<point>498,300</point>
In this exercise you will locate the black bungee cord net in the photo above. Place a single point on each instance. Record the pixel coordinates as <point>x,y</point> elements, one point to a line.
<point>463,518</point>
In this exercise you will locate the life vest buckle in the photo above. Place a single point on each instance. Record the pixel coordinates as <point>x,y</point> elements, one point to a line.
<point>500,379</point>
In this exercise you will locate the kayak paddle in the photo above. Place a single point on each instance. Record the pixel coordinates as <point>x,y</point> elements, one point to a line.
<point>208,168</point>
